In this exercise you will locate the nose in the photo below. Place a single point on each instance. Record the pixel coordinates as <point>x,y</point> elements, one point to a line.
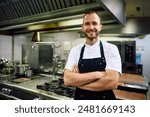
<point>91,26</point>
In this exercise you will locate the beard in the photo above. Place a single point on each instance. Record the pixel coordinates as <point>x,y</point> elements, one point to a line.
<point>91,34</point>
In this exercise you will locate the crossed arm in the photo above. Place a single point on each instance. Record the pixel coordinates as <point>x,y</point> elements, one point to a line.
<point>95,81</point>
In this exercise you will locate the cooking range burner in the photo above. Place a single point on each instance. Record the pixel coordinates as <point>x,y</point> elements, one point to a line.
<point>58,87</point>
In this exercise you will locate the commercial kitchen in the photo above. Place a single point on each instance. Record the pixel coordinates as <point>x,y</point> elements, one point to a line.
<point>37,35</point>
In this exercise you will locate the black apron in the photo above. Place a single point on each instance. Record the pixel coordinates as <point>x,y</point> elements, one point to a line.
<point>90,65</point>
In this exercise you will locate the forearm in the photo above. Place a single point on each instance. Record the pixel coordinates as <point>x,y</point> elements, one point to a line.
<point>108,82</point>
<point>100,85</point>
<point>80,79</point>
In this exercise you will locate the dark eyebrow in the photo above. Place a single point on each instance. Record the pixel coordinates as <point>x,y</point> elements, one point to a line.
<point>94,22</point>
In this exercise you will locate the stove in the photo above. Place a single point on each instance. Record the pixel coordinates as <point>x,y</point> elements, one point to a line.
<point>58,87</point>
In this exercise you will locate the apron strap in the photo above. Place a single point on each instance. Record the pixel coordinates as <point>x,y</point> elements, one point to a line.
<point>82,51</point>
<point>101,49</point>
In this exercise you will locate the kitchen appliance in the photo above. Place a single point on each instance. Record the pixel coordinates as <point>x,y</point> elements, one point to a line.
<point>139,69</point>
<point>38,56</point>
<point>14,92</point>
<point>21,69</point>
<point>127,50</point>
<point>58,87</point>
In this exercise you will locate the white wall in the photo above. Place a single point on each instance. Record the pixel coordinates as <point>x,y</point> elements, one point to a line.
<point>145,54</point>
<point>6,47</point>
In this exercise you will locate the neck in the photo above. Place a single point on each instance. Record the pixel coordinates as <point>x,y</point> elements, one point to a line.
<point>91,41</point>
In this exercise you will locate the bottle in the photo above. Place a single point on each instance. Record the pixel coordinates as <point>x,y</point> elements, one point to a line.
<point>29,72</point>
<point>138,58</point>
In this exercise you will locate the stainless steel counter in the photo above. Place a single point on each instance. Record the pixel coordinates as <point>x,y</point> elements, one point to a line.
<point>29,86</point>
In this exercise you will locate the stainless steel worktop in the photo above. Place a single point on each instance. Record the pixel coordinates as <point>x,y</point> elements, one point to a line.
<point>30,86</point>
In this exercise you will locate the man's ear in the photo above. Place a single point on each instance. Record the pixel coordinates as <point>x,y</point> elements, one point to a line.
<point>82,27</point>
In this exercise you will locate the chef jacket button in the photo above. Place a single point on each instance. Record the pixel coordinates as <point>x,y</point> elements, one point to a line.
<point>100,63</point>
<point>103,97</point>
<point>82,64</point>
<point>81,96</point>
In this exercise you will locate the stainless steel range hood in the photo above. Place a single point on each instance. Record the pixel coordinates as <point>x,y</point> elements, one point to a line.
<point>18,16</point>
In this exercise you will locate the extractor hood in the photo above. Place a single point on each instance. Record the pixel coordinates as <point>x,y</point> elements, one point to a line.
<point>21,16</point>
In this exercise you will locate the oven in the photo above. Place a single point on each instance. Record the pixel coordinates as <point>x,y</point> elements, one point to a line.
<point>127,50</point>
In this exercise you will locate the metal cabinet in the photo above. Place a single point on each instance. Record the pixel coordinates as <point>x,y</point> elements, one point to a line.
<point>37,55</point>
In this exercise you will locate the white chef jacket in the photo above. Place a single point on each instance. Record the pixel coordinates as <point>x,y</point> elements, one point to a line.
<point>111,53</point>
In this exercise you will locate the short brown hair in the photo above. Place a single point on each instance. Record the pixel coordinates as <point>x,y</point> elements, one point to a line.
<point>90,12</point>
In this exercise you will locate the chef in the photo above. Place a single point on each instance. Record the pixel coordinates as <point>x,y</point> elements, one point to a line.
<point>93,67</point>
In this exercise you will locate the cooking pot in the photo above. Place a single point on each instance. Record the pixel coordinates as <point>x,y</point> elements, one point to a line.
<point>21,69</point>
